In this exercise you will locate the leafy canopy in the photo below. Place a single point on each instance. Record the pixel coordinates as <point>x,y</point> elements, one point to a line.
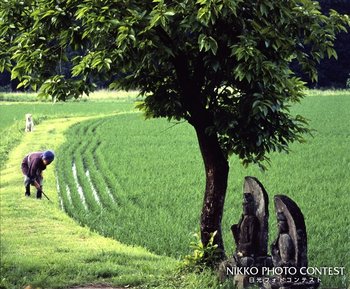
<point>219,64</point>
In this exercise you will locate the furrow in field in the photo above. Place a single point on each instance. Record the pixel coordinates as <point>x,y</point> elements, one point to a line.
<point>84,175</point>
<point>104,185</point>
<point>113,186</point>
<point>79,188</point>
<point>96,176</point>
<point>69,195</point>
<point>60,201</point>
<point>65,200</point>
<point>82,134</point>
<point>109,193</point>
<point>85,186</point>
<point>97,198</point>
<point>73,200</point>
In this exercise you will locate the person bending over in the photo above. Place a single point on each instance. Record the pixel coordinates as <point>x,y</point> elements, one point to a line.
<point>33,165</point>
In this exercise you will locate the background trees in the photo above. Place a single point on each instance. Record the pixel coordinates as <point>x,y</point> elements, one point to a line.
<point>335,72</point>
<point>332,73</point>
<point>223,66</point>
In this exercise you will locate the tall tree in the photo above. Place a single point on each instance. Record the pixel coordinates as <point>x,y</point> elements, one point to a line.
<point>222,65</point>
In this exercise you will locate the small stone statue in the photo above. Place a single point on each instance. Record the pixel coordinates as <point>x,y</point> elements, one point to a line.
<point>261,204</point>
<point>250,235</point>
<point>292,236</point>
<point>246,233</point>
<point>282,249</point>
<point>289,250</point>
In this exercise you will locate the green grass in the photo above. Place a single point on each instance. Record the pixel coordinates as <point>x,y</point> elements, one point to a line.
<point>18,96</point>
<point>156,175</point>
<point>42,246</point>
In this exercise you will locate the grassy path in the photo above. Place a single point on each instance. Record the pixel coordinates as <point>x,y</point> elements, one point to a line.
<point>42,247</point>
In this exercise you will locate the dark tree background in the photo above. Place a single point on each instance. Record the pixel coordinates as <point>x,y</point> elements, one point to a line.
<point>332,73</point>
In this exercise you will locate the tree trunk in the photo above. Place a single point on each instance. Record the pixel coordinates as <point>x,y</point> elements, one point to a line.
<point>216,171</point>
<point>215,161</point>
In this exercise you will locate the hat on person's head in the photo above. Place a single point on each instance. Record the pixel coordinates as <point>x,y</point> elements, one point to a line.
<point>48,156</point>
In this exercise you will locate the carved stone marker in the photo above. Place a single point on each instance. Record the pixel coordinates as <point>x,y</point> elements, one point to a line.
<point>261,205</point>
<point>283,248</point>
<point>246,233</point>
<point>291,222</point>
<point>289,250</point>
<point>251,232</point>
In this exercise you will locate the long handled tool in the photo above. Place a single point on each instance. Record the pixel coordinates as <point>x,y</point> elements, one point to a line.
<point>38,187</point>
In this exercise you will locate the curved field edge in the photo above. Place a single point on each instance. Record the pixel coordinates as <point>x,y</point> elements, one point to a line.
<point>43,247</point>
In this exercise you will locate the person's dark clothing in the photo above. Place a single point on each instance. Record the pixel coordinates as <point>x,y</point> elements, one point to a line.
<point>32,167</point>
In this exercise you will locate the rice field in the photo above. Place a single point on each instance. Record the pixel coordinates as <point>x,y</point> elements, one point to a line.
<point>142,182</point>
<point>95,184</point>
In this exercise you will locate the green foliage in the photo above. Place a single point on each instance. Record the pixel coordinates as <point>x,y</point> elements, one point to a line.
<point>202,256</point>
<point>59,88</point>
<point>224,65</point>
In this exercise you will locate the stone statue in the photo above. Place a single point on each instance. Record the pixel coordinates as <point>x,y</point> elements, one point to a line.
<point>246,233</point>
<point>250,235</point>
<point>251,232</point>
<point>261,204</point>
<point>289,250</point>
<point>292,239</point>
<point>282,249</point>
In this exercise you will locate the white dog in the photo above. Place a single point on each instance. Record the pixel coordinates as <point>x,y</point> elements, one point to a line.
<point>29,123</point>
